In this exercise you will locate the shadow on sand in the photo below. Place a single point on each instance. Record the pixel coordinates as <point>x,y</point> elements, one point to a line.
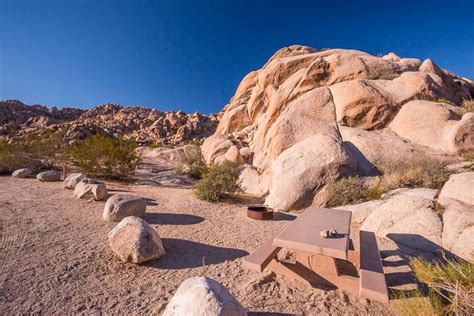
<point>172,219</point>
<point>184,254</point>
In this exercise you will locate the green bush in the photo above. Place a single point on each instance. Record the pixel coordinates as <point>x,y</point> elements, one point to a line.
<point>218,182</point>
<point>101,156</point>
<point>352,190</point>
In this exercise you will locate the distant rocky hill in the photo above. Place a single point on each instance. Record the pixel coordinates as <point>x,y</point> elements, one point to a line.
<point>146,126</point>
<point>308,117</point>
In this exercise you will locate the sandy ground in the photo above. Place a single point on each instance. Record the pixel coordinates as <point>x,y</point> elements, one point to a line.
<point>55,256</point>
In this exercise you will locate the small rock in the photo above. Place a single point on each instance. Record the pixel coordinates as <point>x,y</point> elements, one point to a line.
<point>73,179</point>
<point>203,296</point>
<point>120,206</point>
<point>134,240</point>
<point>49,176</point>
<point>89,188</point>
<point>22,173</point>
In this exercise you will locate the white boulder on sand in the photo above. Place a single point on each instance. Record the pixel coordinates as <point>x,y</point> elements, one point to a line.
<point>22,173</point>
<point>89,188</point>
<point>134,240</point>
<point>120,206</point>
<point>49,176</point>
<point>203,296</point>
<point>73,179</point>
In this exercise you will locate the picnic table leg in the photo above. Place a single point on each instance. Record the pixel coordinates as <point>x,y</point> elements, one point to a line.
<point>326,267</point>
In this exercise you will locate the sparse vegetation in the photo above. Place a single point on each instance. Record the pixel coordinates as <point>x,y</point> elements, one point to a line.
<point>467,106</point>
<point>450,285</point>
<point>100,156</point>
<point>219,181</point>
<point>395,174</point>
<point>413,173</point>
<point>416,304</point>
<point>352,190</point>
<point>442,100</point>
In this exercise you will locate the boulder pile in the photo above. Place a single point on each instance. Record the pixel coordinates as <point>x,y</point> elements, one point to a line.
<point>144,125</point>
<point>308,117</point>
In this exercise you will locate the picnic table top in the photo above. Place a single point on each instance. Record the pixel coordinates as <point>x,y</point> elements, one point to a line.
<point>303,234</point>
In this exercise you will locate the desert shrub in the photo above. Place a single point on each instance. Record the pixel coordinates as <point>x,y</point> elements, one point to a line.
<point>413,173</point>
<point>467,106</point>
<point>13,156</point>
<point>352,190</point>
<point>218,182</point>
<point>450,285</point>
<point>195,170</point>
<point>101,156</point>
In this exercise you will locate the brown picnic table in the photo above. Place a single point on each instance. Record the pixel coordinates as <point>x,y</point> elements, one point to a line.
<point>318,257</point>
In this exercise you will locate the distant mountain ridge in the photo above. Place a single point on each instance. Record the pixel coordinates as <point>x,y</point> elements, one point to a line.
<point>141,124</point>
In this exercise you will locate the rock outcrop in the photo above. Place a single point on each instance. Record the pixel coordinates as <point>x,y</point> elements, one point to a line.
<point>301,93</point>
<point>119,206</point>
<point>146,126</point>
<point>203,296</point>
<point>134,240</point>
<point>16,116</point>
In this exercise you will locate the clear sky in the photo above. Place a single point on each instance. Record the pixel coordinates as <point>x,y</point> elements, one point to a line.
<point>191,55</point>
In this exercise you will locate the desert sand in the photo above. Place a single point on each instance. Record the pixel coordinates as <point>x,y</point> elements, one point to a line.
<point>55,256</point>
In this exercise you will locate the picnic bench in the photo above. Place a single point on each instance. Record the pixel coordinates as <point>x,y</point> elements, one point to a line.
<point>318,257</point>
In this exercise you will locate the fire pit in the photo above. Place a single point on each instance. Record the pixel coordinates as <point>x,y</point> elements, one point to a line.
<point>259,212</point>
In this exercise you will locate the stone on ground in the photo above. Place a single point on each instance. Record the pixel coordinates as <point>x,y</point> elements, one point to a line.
<point>457,199</point>
<point>203,296</point>
<point>22,173</point>
<point>134,240</point>
<point>89,188</point>
<point>120,206</point>
<point>72,180</point>
<point>49,176</point>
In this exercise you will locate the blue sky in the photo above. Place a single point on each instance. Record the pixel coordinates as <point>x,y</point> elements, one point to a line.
<point>191,55</point>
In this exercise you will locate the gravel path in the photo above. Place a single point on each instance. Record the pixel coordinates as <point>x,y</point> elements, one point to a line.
<point>55,257</point>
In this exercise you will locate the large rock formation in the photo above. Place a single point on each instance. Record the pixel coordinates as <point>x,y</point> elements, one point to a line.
<point>146,126</point>
<point>301,94</point>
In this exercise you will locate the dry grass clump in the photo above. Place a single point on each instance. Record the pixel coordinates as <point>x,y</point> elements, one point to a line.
<point>413,174</point>
<point>352,190</point>
<point>101,156</point>
<point>451,282</point>
<point>218,182</point>
<point>467,106</point>
<point>395,174</point>
<point>415,304</point>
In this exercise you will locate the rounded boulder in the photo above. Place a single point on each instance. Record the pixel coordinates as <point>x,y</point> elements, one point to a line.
<point>89,188</point>
<point>49,176</point>
<point>134,240</point>
<point>120,206</point>
<point>22,173</point>
<point>203,296</point>
<point>73,179</point>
